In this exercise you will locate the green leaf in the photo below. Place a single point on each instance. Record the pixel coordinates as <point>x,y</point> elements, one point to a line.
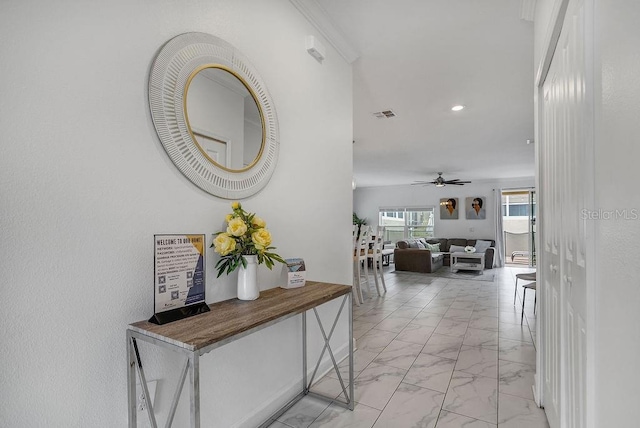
<point>278,258</point>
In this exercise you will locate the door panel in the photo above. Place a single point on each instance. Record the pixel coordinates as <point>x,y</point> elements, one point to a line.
<point>564,194</point>
<point>549,258</point>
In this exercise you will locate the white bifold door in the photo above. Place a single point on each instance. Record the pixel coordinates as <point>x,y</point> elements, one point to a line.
<point>565,196</point>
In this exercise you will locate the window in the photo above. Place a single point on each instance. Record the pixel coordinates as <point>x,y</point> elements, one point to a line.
<point>516,205</point>
<point>403,223</point>
<point>518,210</point>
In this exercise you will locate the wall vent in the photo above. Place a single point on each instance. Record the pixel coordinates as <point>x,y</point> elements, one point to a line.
<point>385,114</point>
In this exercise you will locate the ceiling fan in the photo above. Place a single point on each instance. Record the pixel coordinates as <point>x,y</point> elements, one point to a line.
<point>441,182</point>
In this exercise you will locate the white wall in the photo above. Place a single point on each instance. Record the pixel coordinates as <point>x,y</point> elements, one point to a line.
<point>616,179</point>
<point>367,202</point>
<point>85,184</point>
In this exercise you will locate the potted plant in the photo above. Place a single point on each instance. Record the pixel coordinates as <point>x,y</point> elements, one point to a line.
<point>359,222</point>
<point>245,244</point>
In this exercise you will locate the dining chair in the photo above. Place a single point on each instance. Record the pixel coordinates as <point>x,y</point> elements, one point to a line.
<point>360,257</point>
<point>529,276</point>
<point>525,287</point>
<point>375,256</point>
<point>380,237</point>
<point>356,277</point>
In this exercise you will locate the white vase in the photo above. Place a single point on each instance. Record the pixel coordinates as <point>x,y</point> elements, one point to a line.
<point>248,279</point>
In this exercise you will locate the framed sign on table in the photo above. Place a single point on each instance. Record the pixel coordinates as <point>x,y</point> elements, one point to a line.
<point>179,280</point>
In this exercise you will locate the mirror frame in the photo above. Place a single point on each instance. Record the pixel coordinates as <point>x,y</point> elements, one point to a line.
<point>176,63</point>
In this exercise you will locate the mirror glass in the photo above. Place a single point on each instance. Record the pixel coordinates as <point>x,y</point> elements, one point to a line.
<point>224,118</point>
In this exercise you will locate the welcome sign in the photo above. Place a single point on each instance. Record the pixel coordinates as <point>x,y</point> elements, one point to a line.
<point>179,281</point>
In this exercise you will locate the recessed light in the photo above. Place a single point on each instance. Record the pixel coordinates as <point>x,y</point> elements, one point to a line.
<point>457,108</point>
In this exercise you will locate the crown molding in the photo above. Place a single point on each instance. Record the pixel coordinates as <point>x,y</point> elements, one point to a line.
<point>316,15</point>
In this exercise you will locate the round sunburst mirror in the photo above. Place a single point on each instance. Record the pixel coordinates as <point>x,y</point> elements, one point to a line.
<point>213,115</point>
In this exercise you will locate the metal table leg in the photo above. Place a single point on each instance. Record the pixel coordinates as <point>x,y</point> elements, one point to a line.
<point>305,386</point>
<point>133,344</point>
<point>350,312</point>
<point>327,347</point>
<point>131,382</point>
<point>194,381</point>
<point>176,395</point>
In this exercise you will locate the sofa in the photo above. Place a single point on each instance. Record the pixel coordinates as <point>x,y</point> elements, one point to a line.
<point>410,254</point>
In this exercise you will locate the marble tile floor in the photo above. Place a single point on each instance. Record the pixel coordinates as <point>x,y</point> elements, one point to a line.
<point>435,352</point>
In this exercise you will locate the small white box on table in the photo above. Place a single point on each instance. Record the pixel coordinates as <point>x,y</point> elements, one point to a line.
<point>293,273</point>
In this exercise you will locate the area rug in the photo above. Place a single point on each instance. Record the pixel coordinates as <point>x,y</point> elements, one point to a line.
<point>445,272</point>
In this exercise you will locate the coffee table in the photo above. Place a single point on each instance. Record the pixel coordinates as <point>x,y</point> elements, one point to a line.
<point>457,265</point>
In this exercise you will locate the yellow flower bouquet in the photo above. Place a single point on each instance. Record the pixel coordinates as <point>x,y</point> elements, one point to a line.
<point>246,235</point>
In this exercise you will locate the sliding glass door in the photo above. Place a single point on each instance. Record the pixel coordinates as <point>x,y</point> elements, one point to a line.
<point>518,219</point>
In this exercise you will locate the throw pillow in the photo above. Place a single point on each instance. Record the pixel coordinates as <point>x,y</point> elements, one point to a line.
<point>481,246</point>
<point>456,249</point>
<point>413,244</point>
<point>435,248</point>
<point>420,244</point>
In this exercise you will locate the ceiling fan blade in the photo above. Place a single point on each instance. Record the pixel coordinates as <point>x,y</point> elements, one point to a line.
<point>456,184</point>
<point>439,182</point>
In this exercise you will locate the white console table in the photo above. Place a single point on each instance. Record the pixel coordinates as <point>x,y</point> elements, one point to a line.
<point>228,321</point>
<point>466,265</point>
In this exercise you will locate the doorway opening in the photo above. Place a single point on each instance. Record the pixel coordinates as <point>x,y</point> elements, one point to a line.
<point>519,225</point>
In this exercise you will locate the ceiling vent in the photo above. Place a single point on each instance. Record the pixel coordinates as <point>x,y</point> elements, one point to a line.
<point>385,114</point>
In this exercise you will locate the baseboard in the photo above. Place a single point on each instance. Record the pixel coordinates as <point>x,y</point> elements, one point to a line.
<point>536,398</point>
<point>280,398</point>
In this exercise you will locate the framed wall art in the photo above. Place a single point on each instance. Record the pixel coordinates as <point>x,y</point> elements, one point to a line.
<point>475,208</point>
<point>449,209</point>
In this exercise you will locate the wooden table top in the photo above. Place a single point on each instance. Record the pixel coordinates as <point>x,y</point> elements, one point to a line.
<point>233,317</point>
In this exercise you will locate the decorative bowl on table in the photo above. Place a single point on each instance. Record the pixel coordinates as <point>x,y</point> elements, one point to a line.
<point>469,249</point>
